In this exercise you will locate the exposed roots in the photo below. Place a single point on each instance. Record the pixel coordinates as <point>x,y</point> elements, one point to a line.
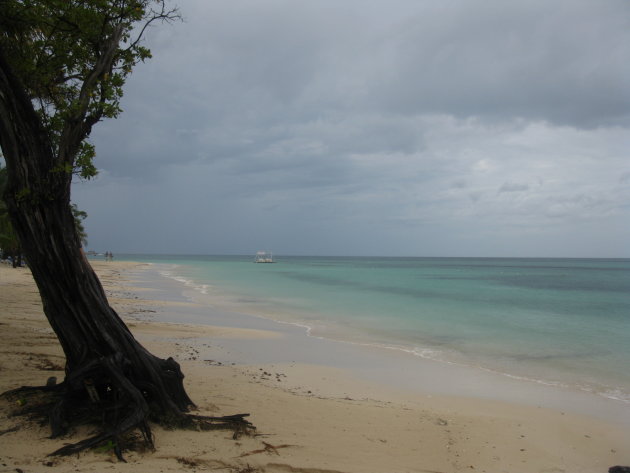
<point>102,393</point>
<point>235,422</point>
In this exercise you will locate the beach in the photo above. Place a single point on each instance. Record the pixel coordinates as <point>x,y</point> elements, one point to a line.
<point>312,413</point>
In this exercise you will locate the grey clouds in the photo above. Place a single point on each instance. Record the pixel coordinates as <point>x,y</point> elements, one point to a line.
<point>433,128</point>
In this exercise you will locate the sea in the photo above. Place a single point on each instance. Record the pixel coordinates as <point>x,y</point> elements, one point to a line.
<point>560,322</point>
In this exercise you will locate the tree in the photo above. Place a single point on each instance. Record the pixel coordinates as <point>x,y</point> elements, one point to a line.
<point>79,216</point>
<point>9,243</point>
<point>63,64</point>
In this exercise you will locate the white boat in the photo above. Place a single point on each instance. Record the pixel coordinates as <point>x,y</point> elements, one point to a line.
<point>264,257</point>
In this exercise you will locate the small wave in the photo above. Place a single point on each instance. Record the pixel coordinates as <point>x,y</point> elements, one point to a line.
<point>426,353</point>
<point>615,394</point>
<point>202,288</point>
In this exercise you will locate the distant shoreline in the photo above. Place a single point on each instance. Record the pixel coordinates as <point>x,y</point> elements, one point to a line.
<point>141,257</point>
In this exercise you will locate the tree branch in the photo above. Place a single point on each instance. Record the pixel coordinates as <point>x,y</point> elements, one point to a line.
<point>78,127</point>
<point>20,126</point>
<point>163,15</point>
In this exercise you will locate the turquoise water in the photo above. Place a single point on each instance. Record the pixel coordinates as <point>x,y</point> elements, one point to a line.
<point>554,321</point>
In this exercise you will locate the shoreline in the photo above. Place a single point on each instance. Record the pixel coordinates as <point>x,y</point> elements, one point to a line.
<point>575,360</point>
<point>329,418</point>
<point>383,364</point>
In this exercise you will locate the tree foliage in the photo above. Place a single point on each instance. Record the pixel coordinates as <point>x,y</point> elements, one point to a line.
<point>79,216</point>
<point>63,64</point>
<point>73,57</point>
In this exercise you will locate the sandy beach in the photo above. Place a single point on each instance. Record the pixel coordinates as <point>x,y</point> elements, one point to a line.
<point>310,418</point>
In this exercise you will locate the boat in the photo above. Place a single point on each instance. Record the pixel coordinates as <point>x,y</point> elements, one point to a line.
<point>264,257</point>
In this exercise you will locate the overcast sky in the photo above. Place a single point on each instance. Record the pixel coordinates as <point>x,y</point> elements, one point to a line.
<point>372,127</point>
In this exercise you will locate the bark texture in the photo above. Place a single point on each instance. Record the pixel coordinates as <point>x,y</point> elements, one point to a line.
<point>107,369</point>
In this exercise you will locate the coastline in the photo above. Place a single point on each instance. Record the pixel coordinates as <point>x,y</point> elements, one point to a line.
<point>555,322</point>
<point>328,417</point>
<point>384,364</point>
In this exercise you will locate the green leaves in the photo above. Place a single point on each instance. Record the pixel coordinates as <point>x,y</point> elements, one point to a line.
<point>84,162</point>
<point>79,216</point>
<point>73,58</point>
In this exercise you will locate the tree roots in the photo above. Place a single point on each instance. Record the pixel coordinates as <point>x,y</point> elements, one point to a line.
<point>102,393</point>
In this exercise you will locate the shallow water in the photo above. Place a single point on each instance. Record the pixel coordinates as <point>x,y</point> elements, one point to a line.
<point>561,322</point>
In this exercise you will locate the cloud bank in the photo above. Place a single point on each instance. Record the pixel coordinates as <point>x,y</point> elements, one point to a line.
<point>437,128</point>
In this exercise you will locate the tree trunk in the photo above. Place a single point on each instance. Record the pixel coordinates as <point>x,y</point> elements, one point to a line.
<point>107,371</point>
<point>76,306</point>
<point>104,362</point>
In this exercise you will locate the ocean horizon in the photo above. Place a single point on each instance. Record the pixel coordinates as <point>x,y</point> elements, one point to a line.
<point>555,321</point>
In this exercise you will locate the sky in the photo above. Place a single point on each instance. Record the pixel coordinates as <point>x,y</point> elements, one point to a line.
<point>374,128</point>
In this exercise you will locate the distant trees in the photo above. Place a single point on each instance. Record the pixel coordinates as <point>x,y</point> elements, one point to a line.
<point>63,64</point>
<point>79,216</point>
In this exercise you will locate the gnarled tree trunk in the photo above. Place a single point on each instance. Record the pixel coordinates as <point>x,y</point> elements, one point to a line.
<point>101,352</point>
<point>107,369</point>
